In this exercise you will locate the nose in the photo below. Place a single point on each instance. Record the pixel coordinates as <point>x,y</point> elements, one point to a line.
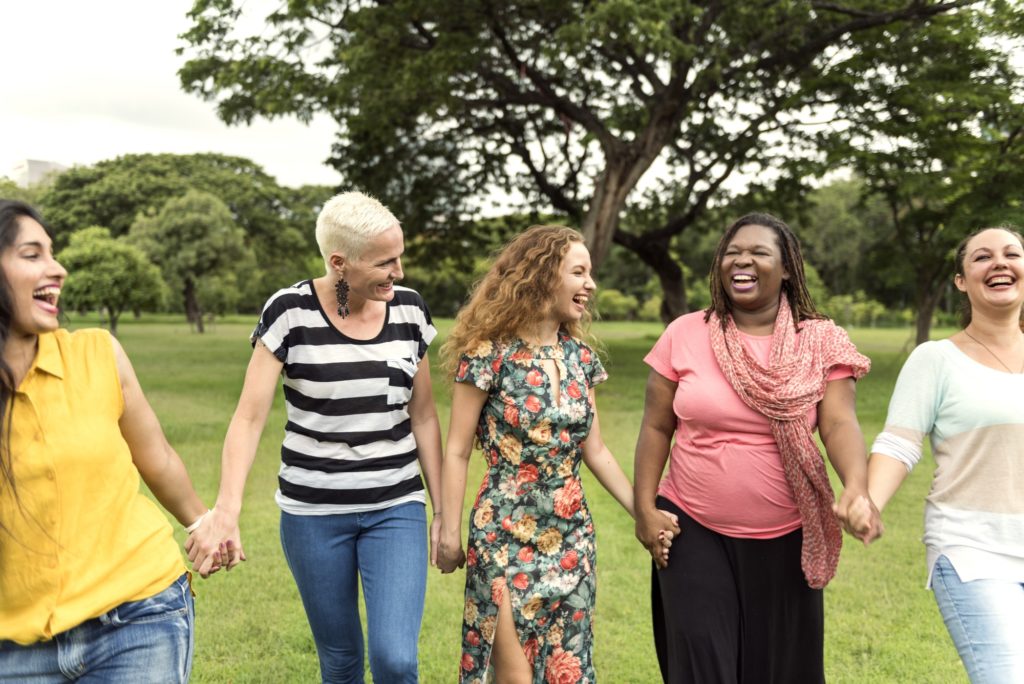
<point>397,273</point>
<point>55,269</point>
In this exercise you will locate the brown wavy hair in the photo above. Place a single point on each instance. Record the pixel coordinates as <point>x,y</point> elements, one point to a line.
<point>795,287</point>
<point>961,255</point>
<point>515,294</point>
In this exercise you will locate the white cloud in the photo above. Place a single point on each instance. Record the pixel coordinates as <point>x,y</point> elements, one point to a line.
<point>86,81</point>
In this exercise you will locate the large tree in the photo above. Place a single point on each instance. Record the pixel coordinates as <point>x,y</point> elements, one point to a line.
<point>567,105</point>
<point>943,152</point>
<point>114,192</point>
<point>109,274</point>
<point>200,249</point>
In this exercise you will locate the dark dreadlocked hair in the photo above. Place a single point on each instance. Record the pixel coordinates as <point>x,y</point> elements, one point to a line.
<point>794,287</point>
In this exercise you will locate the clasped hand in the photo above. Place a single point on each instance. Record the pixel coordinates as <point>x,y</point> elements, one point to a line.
<point>656,529</point>
<point>215,544</point>
<point>859,517</point>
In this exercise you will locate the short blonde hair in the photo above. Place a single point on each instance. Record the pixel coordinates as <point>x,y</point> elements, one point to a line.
<point>347,222</point>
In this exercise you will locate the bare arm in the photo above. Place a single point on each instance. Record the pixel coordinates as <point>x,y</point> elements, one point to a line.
<point>158,463</point>
<point>885,475</point>
<point>467,403</point>
<point>652,450</point>
<point>606,469</point>
<point>427,431</point>
<point>237,457</point>
<point>844,444</point>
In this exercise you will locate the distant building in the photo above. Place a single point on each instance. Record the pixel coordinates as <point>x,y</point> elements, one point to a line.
<point>31,171</point>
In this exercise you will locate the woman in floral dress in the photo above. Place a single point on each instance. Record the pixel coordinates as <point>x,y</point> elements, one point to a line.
<point>524,389</point>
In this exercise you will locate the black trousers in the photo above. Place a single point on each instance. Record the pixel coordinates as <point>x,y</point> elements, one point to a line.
<point>736,611</point>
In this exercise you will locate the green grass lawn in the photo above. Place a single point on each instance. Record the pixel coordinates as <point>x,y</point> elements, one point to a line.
<point>881,623</point>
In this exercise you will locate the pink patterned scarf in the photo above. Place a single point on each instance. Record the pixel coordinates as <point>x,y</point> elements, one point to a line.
<point>791,385</point>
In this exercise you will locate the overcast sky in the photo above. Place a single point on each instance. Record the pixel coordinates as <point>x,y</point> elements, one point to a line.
<point>86,80</point>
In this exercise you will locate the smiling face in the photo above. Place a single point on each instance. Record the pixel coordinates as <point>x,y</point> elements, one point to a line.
<point>372,275</point>
<point>576,285</point>
<point>992,270</point>
<point>34,278</point>
<point>752,269</point>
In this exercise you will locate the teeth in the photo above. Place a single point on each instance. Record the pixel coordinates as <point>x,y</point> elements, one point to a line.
<point>49,294</point>
<point>743,279</point>
<point>1001,280</point>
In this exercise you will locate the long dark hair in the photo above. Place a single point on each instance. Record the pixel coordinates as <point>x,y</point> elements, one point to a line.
<point>12,212</point>
<point>961,255</point>
<point>794,287</point>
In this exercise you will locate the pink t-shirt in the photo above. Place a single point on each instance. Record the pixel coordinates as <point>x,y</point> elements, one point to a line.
<point>725,470</point>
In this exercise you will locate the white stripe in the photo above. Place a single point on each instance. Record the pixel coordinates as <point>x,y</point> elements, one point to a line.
<point>339,389</point>
<point>358,422</point>
<point>347,353</point>
<point>360,480</point>
<point>339,450</point>
<point>903,450</point>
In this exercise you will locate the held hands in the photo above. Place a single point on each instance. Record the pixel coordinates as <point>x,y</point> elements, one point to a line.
<point>859,517</point>
<point>656,529</point>
<point>216,543</point>
<point>450,556</point>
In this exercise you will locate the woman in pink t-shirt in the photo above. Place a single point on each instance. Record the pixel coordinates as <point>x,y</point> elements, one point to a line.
<point>742,387</point>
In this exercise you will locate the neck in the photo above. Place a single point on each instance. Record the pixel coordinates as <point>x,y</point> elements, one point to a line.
<point>999,329</point>
<point>19,353</point>
<point>544,333</point>
<point>756,322</point>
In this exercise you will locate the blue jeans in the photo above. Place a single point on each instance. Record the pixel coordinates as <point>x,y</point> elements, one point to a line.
<point>985,618</point>
<point>147,641</point>
<point>329,555</point>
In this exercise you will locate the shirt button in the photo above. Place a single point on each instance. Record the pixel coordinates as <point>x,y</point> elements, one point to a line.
<point>50,475</point>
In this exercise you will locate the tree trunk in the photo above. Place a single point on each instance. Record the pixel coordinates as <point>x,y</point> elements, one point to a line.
<point>927,298</point>
<point>618,179</point>
<point>112,317</point>
<point>656,254</point>
<point>192,311</point>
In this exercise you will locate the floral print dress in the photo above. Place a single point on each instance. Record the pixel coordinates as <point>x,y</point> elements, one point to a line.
<point>531,537</point>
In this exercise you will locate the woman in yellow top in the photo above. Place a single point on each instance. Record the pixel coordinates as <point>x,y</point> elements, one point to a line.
<point>92,584</point>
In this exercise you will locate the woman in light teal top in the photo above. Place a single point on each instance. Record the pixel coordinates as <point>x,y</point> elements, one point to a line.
<point>966,393</point>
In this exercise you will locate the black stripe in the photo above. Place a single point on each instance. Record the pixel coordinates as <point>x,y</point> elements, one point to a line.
<point>349,497</point>
<point>336,372</point>
<point>339,465</point>
<point>354,439</point>
<point>347,406</point>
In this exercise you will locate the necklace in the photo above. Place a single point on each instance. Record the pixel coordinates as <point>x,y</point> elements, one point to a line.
<point>985,347</point>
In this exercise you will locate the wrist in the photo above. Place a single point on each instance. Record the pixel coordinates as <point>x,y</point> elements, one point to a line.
<point>189,529</point>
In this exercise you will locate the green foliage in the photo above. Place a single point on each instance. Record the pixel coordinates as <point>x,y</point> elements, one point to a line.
<point>613,305</point>
<point>110,274</point>
<point>946,154</point>
<point>277,222</point>
<point>566,106</point>
<point>200,249</point>
<point>12,191</point>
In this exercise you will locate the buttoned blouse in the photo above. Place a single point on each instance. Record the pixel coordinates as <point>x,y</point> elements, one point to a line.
<point>79,537</point>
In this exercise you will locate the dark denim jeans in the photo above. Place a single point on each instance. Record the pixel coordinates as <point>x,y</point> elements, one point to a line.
<point>329,555</point>
<point>143,642</point>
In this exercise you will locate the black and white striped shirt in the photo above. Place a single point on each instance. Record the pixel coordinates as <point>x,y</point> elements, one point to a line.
<point>348,444</point>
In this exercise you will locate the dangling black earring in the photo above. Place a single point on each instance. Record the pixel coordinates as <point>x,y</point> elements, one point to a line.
<point>341,294</point>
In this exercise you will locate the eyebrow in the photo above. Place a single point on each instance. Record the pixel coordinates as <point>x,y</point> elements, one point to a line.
<point>32,243</point>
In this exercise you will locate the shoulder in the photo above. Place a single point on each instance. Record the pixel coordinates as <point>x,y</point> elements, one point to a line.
<point>932,352</point>
<point>406,295</point>
<point>687,325</point>
<point>86,340</point>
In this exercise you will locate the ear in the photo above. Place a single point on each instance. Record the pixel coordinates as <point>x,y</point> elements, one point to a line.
<point>958,281</point>
<point>337,261</point>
